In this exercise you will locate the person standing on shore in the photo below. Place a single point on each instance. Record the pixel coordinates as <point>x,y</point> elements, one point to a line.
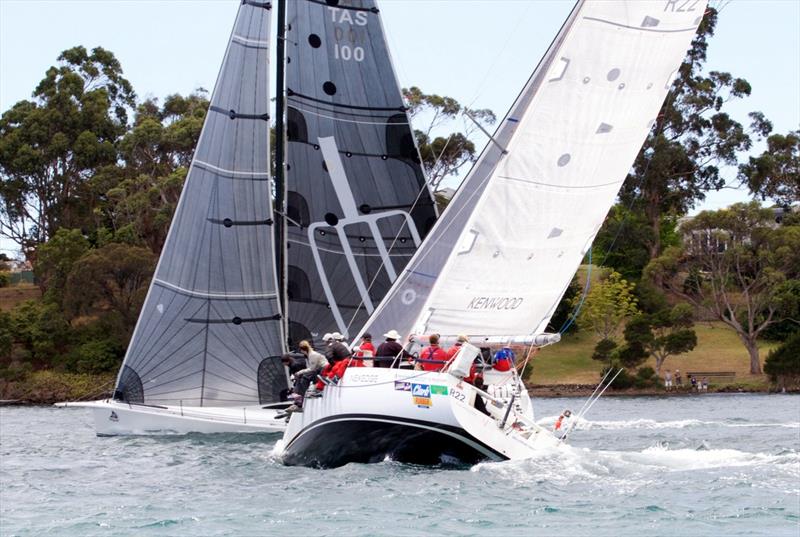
<point>668,380</point>
<point>678,379</point>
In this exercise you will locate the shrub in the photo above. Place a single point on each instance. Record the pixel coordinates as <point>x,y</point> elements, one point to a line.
<point>783,363</point>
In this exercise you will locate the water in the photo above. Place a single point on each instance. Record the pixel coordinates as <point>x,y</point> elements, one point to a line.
<point>708,465</point>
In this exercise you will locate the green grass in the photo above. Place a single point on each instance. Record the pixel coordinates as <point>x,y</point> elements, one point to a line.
<point>718,349</point>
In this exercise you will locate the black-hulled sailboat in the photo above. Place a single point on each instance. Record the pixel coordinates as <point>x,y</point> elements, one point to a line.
<point>497,262</point>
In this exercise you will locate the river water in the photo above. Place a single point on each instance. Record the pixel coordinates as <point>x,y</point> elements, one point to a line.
<point>706,465</point>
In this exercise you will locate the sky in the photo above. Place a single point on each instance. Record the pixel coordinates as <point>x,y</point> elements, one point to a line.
<point>478,51</point>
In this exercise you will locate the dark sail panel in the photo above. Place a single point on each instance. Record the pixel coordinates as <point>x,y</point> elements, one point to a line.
<point>357,201</point>
<point>212,314</point>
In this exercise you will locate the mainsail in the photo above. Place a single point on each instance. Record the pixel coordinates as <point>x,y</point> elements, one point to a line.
<point>504,251</point>
<point>209,333</point>
<point>357,202</point>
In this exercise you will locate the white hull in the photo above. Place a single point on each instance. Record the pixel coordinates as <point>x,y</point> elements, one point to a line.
<point>112,418</point>
<point>375,413</point>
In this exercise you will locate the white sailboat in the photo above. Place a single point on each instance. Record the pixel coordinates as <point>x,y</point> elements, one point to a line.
<point>499,259</point>
<point>237,281</point>
<point>205,353</point>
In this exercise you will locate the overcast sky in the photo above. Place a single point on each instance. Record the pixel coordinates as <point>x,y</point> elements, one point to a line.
<point>479,52</point>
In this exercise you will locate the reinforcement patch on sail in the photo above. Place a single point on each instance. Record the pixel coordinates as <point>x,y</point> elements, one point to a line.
<point>358,204</point>
<point>212,315</point>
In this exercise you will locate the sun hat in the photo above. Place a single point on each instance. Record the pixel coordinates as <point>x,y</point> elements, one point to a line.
<point>392,334</point>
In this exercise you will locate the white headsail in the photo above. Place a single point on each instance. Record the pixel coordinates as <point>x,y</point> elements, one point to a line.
<point>501,256</point>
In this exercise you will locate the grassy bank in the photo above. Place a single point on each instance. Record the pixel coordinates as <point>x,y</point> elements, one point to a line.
<point>44,387</point>
<point>718,349</point>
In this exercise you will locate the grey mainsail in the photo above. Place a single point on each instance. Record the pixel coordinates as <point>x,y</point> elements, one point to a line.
<point>357,202</point>
<point>209,333</point>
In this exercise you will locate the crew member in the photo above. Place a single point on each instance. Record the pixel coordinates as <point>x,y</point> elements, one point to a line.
<point>559,422</point>
<point>504,359</point>
<point>316,363</point>
<point>390,350</point>
<point>364,351</point>
<point>432,357</point>
<point>452,351</point>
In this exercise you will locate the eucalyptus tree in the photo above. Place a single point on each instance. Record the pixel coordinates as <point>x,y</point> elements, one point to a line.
<point>737,266</point>
<point>51,145</point>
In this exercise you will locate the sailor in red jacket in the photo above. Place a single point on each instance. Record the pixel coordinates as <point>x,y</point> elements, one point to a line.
<point>452,351</point>
<point>365,351</point>
<point>432,357</point>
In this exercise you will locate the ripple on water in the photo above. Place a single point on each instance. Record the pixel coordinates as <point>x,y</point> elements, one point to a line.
<point>713,468</point>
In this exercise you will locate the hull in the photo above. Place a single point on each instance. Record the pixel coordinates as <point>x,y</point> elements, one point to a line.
<point>113,418</point>
<point>408,416</point>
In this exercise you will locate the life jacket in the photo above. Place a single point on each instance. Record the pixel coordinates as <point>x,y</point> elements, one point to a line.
<point>558,422</point>
<point>503,359</point>
<point>365,350</point>
<point>434,352</point>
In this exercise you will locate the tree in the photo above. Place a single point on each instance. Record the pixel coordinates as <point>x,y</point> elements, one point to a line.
<point>115,276</point>
<point>50,146</point>
<point>662,334</point>
<point>443,155</point>
<point>737,266</point>
<point>55,260</point>
<point>692,137</point>
<point>776,172</point>
<point>783,364</point>
<point>608,304</point>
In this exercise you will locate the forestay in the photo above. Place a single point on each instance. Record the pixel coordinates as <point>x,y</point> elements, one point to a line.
<point>503,253</point>
<point>357,201</point>
<point>210,327</point>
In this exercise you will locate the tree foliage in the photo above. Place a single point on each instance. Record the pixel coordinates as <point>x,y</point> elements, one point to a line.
<point>443,155</point>
<point>117,276</point>
<point>783,364</point>
<point>775,173</point>
<point>50,146</point>
<point>55,259</point>
<point>608,304</point>
<point>662,334</point>
<point>737,266</point>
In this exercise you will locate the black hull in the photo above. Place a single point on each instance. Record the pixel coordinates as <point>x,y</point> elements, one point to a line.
<point>342,439</point>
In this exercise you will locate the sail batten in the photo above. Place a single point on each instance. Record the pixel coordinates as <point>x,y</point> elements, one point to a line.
<point>210,319</point>
<point>502,254</point>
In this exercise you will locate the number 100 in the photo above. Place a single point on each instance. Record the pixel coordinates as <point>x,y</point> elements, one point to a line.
<point>347,53</point>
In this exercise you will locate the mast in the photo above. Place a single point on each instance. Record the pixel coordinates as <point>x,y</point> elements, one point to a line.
<point>280,166</point>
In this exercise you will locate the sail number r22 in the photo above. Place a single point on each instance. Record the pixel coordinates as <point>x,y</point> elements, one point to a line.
<point>347,53</point>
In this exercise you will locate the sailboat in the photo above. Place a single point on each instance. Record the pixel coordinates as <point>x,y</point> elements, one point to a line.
<point>498,261</point>
<point>351,206</point>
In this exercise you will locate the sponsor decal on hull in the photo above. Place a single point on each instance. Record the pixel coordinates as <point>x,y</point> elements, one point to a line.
<point>421,395</point>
